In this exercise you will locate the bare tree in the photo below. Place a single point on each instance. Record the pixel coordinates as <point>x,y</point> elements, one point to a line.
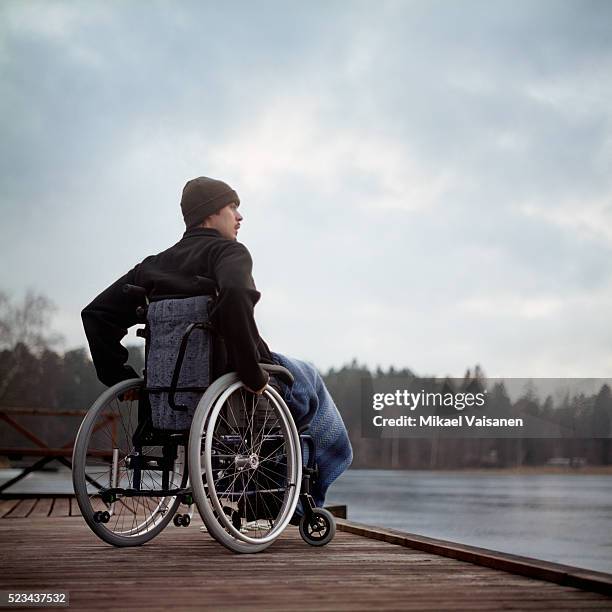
<point>24,327</point>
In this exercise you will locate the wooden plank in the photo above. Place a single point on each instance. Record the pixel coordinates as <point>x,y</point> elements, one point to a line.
<point>363,572</point>
<point>186,570</point>
<point>74,507</point>
<point>534,568</point>
<point>6,505</point>
<point>17,496</point>
<point>61,507</point>
<point>22,509</point>
<point>42,507</point>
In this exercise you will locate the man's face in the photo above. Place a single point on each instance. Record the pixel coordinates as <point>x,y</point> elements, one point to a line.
<point>226,221</point>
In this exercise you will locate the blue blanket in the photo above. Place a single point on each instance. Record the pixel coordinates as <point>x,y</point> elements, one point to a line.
<point>333,448</point>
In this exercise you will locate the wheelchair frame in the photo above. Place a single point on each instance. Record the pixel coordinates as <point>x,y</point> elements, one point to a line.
<point>160,481</point>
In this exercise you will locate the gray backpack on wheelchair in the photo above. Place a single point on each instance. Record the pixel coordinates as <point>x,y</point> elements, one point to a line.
<point>178,358</point>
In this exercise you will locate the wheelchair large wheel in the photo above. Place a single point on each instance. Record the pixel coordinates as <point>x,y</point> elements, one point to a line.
<point>245,464</point>
<point>118,484</point>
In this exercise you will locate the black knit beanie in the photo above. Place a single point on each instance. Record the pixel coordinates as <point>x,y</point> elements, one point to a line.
<point>203,197</point>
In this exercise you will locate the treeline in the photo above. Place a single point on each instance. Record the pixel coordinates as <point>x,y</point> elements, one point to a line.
<point>49,380</point>
<point>582,420</point>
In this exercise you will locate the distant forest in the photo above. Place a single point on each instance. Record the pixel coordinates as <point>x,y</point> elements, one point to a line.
<point>34,375</point>
<point>584,415</point>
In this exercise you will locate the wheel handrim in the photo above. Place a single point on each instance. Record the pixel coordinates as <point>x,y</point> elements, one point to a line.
<point>251,468</point>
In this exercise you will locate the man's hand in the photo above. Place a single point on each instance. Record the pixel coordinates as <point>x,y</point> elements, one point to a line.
<point>260,391</point>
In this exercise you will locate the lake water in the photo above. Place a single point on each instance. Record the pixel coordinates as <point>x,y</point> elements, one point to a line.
<point>563,518</point>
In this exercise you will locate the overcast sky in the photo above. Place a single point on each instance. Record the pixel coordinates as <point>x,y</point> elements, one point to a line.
<point>424,184</point>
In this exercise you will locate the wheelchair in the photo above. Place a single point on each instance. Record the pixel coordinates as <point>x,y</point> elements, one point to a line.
<point>240,463</point>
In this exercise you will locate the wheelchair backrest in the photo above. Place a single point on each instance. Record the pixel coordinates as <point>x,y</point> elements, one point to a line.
<point>168,322</point>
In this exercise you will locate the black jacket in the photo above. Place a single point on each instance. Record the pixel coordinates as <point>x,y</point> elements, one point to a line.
<point>172,273</point>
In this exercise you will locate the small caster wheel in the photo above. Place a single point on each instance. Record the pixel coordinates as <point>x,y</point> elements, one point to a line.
<point>177,520</point>
<point>186,520</point>
<point>318,528</point>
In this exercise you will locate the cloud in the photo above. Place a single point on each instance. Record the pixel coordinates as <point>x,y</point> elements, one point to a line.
<point>289,136</point>
<point>424,184</point>
<point>513,306</point>
<point>590,220</point>
<point>52,20</point>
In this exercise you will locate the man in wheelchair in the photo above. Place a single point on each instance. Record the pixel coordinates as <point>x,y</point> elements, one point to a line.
<point>207,388</point>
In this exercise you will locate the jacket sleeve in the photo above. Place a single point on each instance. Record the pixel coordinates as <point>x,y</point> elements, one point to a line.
<point>106,321</point>
<point>234,316</point>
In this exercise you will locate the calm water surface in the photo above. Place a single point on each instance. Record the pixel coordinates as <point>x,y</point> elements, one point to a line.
<point>561,518</point>
<point>556,517</point>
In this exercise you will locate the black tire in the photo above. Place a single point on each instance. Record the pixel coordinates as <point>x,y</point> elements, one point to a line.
<point>319,528</point>
<point>106,433</point>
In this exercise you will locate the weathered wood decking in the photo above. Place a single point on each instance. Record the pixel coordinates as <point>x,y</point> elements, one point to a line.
<point>45,547</point>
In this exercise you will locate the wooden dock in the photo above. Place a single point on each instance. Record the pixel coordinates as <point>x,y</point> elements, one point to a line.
<point>47,546</point>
